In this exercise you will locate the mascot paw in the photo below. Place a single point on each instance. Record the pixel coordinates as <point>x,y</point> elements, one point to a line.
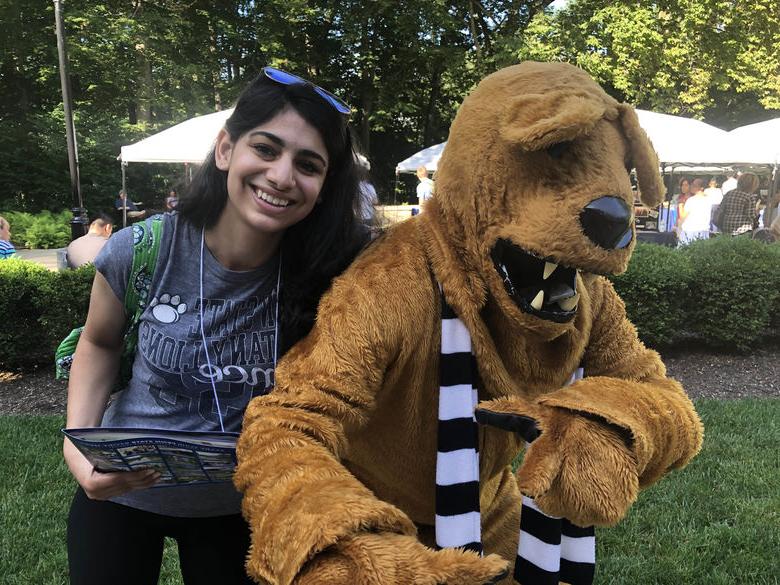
<point>385,559</point>
<point>578,466</point>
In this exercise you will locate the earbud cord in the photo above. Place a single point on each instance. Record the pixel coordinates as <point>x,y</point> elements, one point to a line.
<point>203,333</point>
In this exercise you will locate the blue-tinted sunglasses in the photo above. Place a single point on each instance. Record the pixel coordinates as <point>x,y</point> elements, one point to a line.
<point>285,78</point>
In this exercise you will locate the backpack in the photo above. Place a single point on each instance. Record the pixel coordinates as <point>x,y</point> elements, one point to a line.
<point>146,248</point>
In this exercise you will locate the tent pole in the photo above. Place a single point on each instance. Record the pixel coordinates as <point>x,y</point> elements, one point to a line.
<point>771,205</point>
<point>124,190</point>
<point>669,199</point>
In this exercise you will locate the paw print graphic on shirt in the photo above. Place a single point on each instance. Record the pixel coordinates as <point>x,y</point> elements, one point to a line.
<point>167,308</point>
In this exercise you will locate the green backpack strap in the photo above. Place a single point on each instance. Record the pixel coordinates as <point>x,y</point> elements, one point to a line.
<point>146,249</point>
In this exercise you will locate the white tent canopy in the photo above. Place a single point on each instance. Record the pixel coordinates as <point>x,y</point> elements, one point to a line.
<point>685,140</point>
<point>759,141</point>
<point>188,142</point>
<point>677,140</point>
<point>427,158</point>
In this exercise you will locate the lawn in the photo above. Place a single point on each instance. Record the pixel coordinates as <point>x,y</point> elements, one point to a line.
<point>716,523</point>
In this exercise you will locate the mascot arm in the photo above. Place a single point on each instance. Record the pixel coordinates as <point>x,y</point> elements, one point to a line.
<point>596,442</point>
<point>312,521</point>
<point>298,497</point>
<point>626,387</point>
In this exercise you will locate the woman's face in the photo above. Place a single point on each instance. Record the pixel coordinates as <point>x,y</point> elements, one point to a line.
<point>275,172</point>
<point>684,187</point>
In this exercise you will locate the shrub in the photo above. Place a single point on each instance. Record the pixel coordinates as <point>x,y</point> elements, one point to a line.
<point>43,230</point>
<point>49,230</point>
<point>67,302</point>
<point>733,292</point>
<point>22,339</point>
<point>39,308</point>
<point>20,222</point>
<point>654,289</point>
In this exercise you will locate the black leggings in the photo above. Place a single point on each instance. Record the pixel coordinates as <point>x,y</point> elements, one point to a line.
<point>116,544</point>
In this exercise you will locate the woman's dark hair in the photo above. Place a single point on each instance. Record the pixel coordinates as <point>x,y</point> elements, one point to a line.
<point>320,246</point>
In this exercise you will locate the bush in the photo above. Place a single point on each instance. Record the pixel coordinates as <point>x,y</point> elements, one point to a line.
<point>20,222</point>
<point>39,308</point>
<point>49,230</point>
<point>733,292</point>
<point>44,230</point>
<point>654,289</point>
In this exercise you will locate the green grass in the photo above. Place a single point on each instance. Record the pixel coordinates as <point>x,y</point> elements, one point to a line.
<point>36,490</point>
<point>717,522</point>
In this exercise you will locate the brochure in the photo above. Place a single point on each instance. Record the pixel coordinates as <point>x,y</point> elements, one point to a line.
<point>181,457</point>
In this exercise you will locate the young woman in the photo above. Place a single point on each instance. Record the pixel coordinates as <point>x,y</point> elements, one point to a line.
<point>695,215</point>
<point>266,225</point>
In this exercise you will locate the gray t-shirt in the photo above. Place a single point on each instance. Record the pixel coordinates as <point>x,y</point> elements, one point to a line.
<point>171,384</point>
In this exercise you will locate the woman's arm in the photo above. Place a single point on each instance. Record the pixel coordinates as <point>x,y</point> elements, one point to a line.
<point>95,365</point>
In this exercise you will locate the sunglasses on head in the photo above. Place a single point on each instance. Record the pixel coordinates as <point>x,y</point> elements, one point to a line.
<point>285,78</point>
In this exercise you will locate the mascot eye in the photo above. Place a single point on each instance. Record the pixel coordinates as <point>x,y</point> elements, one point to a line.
<point>558,151</point>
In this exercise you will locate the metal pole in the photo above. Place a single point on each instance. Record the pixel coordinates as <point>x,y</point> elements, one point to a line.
<point>124,190</point>
<point>79,223</point>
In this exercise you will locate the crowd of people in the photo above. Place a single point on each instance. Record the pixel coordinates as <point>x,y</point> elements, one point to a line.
<point>733,208</point>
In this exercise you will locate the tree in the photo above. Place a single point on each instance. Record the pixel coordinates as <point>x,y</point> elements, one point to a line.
<point>715,60</point>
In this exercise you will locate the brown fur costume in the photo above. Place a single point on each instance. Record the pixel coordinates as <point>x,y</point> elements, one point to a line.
<point>338,464</point>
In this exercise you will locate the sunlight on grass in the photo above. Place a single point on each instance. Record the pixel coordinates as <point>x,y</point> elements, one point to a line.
<point>717,522</point>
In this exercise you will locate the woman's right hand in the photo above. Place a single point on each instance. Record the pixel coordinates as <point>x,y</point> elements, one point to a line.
<point>95,364</point>
<point>100,485</point>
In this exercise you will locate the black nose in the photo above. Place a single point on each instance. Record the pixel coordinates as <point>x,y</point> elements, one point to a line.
<point>607,222</point>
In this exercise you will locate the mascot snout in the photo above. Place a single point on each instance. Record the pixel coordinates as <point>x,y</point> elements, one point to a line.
<point>606,222</point>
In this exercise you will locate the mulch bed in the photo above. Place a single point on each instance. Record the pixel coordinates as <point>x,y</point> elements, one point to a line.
<point>704,374</point>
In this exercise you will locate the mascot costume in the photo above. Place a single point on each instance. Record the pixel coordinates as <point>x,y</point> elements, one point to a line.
<point>479,329</point>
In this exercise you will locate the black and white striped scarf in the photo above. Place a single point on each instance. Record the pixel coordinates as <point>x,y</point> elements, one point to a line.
<point>550,549</point>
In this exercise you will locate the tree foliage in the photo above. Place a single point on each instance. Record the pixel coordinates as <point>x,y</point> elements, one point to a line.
<point>138,66</point>
<point>714,59</point>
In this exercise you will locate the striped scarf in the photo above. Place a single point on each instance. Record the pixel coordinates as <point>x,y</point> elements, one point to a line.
<point>550,549</point>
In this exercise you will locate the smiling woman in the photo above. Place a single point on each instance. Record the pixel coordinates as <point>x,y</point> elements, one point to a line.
<point>267,223</point>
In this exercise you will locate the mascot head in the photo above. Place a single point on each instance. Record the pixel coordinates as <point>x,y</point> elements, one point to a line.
<point>534,188</point>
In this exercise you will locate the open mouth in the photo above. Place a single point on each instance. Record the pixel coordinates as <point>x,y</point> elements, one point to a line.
<point>538,286</point>
<point>270,199</point>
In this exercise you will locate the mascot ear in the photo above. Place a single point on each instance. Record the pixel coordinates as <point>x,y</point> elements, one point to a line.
<point>537,121</point>
<point>643,158</point>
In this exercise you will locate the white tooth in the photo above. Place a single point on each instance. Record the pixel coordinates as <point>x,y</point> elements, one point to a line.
<point>549,268</point>
<point>569,304</point>
<point>538,301</point>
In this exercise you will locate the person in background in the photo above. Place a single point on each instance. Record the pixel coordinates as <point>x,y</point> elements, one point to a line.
<point>6,247</point>
<point>713,192</point>
<point>679,199</point>
<point>695,215</point>
<point>171,200</point>
<point>122,204</point>
<point>85,249</point>
<point>267,223</point>
<point>730,183</point>
<point>368,196</point>
<point>738,212</point>
<point>424,187</point>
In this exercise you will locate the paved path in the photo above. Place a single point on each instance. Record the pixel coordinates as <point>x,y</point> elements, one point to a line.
<point>47,258</point>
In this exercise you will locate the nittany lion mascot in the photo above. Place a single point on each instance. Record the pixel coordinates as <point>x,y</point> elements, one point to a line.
<point>480,329</point>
